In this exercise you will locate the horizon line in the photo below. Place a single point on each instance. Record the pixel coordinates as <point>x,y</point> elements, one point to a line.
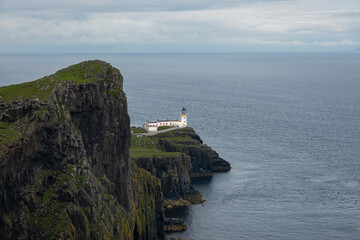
<point>187,52</point>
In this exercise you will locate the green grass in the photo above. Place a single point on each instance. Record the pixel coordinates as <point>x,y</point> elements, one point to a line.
<point>7,134</point>
<point>137,130</point>
<point>164,127</point>
<point>136,152</point>
<point>115,92</point>
<point>50,224</point>
<point>41,110</point>
<point>48,195</point>
<point>30,90</point>
<point>178,139</point>
<point>175,132</point>
<point>142,142</point>
<point>85,72</point>
<point>145,147</point>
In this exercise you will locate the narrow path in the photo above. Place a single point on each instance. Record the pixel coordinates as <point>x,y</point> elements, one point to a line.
<point>158,132</point>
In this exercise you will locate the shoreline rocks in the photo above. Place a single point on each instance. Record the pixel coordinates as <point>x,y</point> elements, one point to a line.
<point>203,158</point>
<point>174,225</point>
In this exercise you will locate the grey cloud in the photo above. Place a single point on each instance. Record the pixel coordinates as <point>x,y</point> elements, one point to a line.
<point>181,23</point>
<point>348,14</point>
<point>125,6</point>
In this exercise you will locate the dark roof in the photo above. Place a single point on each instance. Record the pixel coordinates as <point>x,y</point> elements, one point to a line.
<point>169,120</point>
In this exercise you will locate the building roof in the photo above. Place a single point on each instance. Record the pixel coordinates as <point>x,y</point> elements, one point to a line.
<point>168,120</point>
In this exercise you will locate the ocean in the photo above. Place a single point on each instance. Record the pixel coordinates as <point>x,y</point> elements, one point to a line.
<point>289,124</point>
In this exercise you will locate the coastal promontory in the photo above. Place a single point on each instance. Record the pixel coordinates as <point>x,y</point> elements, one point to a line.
<point>66,167</point>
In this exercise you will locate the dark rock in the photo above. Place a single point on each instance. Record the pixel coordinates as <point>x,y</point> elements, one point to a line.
<point>174,225</point>
<point>64,163</point>
<point>204,174</point>
<point>203,157</point>
<point>173,172</point>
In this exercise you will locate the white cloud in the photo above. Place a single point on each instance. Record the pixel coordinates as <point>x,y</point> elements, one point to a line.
<point>336,43</point>
<point>270,23</point>
<point>125,6</point>
<point>254,41</point>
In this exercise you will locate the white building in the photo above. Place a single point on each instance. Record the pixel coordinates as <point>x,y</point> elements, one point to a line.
<point>153,126</point>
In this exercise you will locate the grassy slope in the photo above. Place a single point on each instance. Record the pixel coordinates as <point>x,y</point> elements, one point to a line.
<point>85,72</point>
<point>164,127</point>
<point>137,130</point>
<point>145,147</point>
<point>179,138</point>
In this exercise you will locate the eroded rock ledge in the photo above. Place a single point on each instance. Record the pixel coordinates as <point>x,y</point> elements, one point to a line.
<point>204,159</point>
<point>174,225</point>
<point>175,157</point>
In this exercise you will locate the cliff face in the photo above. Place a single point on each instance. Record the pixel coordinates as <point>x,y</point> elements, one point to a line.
<point>173,172</point>
<point>175,157</point>
<point>203,158</point>
<point>171,168</point>
<point>64,160</point>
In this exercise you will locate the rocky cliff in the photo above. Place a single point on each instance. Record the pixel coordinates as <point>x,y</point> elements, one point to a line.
<point>173,172</point>
<point>171,168</point>
<point>203,158</point>
<point>65,169</point>
<point>64,161</point>
<point>175,157</point>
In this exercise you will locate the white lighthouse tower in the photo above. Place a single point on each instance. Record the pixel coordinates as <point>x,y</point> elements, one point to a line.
<point>183,117</point>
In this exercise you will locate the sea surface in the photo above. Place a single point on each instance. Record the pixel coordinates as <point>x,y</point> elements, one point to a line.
<point>289,124</point>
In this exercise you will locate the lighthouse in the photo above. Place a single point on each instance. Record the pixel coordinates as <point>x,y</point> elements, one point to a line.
<point>153,126</point>
<point>183,116</point>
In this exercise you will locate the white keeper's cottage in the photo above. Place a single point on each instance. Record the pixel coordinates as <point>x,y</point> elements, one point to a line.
<point>153,126</point>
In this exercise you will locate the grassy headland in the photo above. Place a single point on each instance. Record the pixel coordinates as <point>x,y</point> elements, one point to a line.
<point>143,146</point>
<point>85,72</point>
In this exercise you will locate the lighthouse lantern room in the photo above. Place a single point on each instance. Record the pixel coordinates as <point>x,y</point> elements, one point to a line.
<point>183,116</point>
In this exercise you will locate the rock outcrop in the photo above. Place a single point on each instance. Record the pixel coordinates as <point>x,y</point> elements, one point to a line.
<point>171,168</point>
<point>204,159</point>
<point>64,161</point>
<point>173,172</point>
<point>65,169</point>
<point>174,225</point>
<point>175,157</point>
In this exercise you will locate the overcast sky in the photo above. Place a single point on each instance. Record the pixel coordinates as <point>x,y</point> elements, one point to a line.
<point>179,26</point>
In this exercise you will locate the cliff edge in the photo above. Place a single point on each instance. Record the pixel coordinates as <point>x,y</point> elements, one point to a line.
<point>65,169</point>
<point>204,160</point>
<point>64,160</point>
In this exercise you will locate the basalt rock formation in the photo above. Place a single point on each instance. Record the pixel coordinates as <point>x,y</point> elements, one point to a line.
<point>174,225</point>
<point>204,160</point>
<point>171,168</point>
<point>173,172</point>
<point>65,169</point>
<point>175,157</point>
<point>64,161</point>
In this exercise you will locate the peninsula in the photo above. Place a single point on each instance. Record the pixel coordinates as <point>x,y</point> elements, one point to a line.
<point>72,168</point>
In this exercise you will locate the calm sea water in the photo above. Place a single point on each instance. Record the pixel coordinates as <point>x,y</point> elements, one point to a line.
<point>289,124</point>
